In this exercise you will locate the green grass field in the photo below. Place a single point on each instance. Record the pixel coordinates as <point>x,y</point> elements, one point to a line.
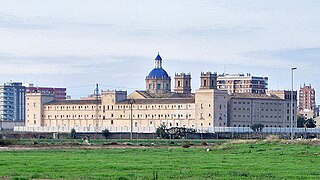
<point>227,161</point>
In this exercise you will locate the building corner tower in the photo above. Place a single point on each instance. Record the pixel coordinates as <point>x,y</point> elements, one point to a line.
<point>182,83</point>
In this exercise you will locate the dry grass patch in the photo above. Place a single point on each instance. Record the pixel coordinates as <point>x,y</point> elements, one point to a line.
<point>272,138</point>
<point>310,142</point>
<point>243,141</point>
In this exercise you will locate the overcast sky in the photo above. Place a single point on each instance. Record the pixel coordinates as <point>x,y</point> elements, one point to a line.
<point>76,43</point>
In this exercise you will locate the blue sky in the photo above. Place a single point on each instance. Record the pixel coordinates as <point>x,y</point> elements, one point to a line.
<point>77,43</point>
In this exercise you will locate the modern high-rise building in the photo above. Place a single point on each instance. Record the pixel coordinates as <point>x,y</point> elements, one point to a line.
<point>58,93</point>
<point>240,83</point>
<point>317,110</point>
<point>12,102</point>
<point>307,101</point>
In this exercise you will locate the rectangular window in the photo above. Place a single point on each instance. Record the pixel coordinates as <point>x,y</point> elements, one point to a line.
<point>158,86</point>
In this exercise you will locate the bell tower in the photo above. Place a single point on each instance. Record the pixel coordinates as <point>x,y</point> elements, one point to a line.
<point>182,83</point>
<point>208,80</point>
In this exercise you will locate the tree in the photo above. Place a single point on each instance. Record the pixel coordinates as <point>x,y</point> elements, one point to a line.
<point>180,132</point>
<point>305,123</point>
<point>173,132</point>
<point>106,133</point>
<point>73,133</point>
<point>300,121</point>
<point>309,123</point>
<point>162,132</point>
<point>257,127</point>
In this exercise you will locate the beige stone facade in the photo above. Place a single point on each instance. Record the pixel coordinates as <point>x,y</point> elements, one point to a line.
<point>206,108</point>
<point>211,108</point>
<point>35,108</point>
<point>182,83</point>
<point>114,110</point>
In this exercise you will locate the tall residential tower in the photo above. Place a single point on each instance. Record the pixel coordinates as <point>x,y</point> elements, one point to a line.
<point>12,102</point>
<point>307,101</point>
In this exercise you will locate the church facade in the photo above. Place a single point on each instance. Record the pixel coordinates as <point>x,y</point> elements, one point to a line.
<point>159,105</point>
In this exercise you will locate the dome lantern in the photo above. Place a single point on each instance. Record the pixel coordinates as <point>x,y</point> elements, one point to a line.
<point>158,61</point>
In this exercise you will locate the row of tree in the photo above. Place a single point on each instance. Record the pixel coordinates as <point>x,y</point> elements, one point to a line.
<point>173,132</point>
<point>182,132</point>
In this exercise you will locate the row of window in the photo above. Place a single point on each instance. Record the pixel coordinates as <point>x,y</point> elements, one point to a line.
<point>122,116</point>
<point>209,105</point>
<point>248,109</point>
<point>209,115</point>
<point>111,107</point>
<point>263,103</point>
<point>153,86</point>
<point>275,126</point>
<point>136,124</point>
<point>262,116</point>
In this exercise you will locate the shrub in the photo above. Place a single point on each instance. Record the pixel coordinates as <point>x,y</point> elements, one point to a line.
<point>73,133</point>
<point>106,133</point>
<point>114,143</point>
<point>174,132</point>
<point>185,145</point>
<point>203,143</point>
<point>257,127</point>
<point>162,132</point>
<point>6,142</point>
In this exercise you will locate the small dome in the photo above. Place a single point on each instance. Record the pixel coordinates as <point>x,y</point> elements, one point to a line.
<point>158,73</point>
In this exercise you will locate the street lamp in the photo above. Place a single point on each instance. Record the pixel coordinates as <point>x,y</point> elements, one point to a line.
<point>291,98</point>
<point>131,102</point>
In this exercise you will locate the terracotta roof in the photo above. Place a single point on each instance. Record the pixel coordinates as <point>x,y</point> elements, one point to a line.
<point>66,102</point>
<point>161,101</point>
<point>147,94</point>
<point>254,96</point>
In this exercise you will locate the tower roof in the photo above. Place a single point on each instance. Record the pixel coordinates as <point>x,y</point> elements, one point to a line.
<point>158,57</point>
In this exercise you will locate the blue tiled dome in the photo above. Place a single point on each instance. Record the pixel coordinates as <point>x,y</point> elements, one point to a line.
<point>158,73</point>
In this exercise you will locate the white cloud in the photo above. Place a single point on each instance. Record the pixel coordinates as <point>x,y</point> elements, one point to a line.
<point>74,36</point>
